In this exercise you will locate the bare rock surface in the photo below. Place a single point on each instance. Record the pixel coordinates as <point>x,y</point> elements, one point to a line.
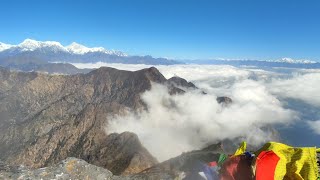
<point>71,168</point>
<point>47,118</point>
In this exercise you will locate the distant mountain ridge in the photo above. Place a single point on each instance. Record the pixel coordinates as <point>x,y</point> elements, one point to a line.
<point>52,51</point>
<point>284,63</point>
<point>32,55</point>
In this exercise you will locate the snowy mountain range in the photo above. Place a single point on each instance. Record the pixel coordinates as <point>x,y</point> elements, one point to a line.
<point>294,61</point>
<point>52,51</point>
<point>32,55</point>
<point>282,60</point>
<point>74,48</point>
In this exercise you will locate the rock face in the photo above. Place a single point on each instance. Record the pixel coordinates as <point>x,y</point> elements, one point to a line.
<point>47,118</point>
<point>71,168</point>
<point>224,101</point>
<point>180,82</point>
<point>124,154</point>
<point>171,168</point>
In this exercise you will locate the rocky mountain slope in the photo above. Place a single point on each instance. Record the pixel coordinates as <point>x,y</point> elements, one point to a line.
<point>47,118</point>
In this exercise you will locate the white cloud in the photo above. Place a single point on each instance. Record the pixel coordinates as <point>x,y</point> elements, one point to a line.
<point>315,126</point>
<point>304,87</point>
<point>196,119</point>
<point>129,67</point>
<point>209,77</point>
<point>179,123</point>
<point>189,72</point>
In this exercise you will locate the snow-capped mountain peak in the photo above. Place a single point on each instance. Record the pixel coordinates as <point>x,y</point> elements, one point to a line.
<point>81,49</point>
<point>290,60</point>
<point>31,45</point>
<point>4,46</point>
<point>75,45</point>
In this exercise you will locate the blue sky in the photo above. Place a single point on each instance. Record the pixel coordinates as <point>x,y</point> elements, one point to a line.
<point>191,29</point>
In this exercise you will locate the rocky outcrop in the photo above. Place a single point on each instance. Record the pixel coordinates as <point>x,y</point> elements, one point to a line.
<point>124,154</point>
<point>224,101</point>
<point>180,82</point>
<point>47,118</point>
<point>71,168</point>
<point>171,168</point>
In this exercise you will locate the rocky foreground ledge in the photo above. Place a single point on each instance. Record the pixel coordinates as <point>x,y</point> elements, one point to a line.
<point>71,168</point>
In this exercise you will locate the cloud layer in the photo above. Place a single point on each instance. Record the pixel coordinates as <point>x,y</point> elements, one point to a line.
<point>304,87</point>
<point>174,124</point>
<point>179,123</point>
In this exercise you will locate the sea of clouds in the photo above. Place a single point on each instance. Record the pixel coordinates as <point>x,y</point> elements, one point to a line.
<point>261,102</point>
